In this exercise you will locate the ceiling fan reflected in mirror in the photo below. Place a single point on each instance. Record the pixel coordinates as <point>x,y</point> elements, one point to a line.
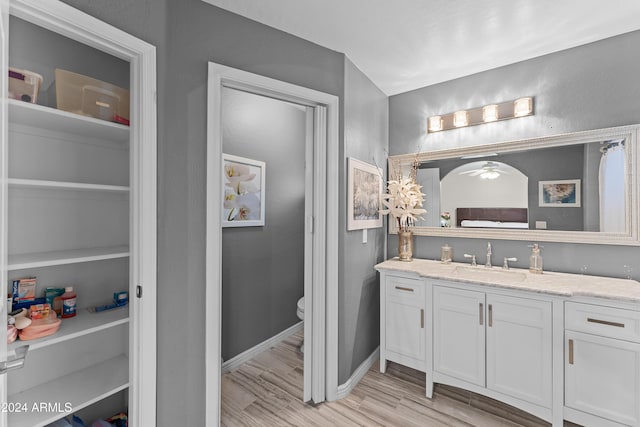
<point>487,170</point>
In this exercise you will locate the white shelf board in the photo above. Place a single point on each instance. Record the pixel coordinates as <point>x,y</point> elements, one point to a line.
<point>81,389</point>
<point>52,119</point>
<point>83,323</point>
<point>45,259</point>
<point>64,185</point>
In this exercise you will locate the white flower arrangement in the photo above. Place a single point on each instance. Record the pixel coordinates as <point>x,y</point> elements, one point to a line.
<point>404,200</point>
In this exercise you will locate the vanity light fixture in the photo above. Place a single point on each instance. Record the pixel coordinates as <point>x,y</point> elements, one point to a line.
<point>435,123</point>
<point>460,119</point>
<point>490,113</point>
<point>520,107</point>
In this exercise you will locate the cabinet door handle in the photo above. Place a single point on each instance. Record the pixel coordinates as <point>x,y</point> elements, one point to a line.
<point>605,322</point>
<point>570,352</point>
<point>422,318</point>
<point>400,288</point>
<point>481,314</point>
<point>490,315</point>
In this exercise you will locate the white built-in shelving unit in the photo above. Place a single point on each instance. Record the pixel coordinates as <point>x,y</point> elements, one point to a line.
<point>31,125</point>
<point>78,208</point>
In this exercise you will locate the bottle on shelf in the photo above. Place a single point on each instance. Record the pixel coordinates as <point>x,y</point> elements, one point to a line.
<point>68,302</point>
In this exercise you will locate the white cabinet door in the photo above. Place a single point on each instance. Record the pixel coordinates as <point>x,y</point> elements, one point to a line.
<point>519,348</point>
<point>459,334</point>
<point>405,322</point>
<point>602,377</point>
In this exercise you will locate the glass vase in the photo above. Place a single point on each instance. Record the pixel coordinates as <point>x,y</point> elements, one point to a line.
<point>405,245</point>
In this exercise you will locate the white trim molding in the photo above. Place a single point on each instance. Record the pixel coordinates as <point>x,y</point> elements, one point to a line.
<point>345,389</point>
<point>4,176</point>
<point>245,356</point>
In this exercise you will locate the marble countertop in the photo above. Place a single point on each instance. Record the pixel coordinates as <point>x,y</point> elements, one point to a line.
<point>552,283</point>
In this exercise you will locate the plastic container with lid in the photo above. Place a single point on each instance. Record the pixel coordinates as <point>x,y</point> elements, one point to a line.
<point>68,302</point>
<point>85,95</point>
<point>24,85</point>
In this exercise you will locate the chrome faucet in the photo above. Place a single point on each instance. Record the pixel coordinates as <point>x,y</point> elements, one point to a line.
<point>473,259</point>
<point>488,263</point>
<point>505,266</point>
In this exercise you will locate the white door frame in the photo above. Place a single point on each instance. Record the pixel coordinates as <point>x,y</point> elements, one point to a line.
<point>63,19</point>
<point>321,319</point>
<point>4,174</point>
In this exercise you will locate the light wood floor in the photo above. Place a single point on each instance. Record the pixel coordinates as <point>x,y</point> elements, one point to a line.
<point>267,391</point>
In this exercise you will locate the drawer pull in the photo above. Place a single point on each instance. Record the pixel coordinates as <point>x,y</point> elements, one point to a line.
<point>481,314</point>
<point>490,315</point>
<point>605,322</point>
<point>422,318</point>
<point>570,352</point>
<point>400,288</point>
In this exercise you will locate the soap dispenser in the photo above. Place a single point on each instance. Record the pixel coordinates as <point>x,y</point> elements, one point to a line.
<point>446,254</point>
<point>535,260</point>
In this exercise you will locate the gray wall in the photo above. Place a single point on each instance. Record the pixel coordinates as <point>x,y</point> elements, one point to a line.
<point>588,87</point>
<point>365,138</point>
<point>263,267</point>
<point>188,34</point>
<point>198,33</point>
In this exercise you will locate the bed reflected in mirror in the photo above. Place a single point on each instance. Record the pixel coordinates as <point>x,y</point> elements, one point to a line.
<point>485,193</point>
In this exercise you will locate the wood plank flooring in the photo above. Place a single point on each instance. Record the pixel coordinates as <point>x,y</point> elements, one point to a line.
<point>267,391</point>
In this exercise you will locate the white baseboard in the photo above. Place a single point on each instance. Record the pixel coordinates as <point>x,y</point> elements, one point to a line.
<point>249,354</point>
<point>347,387</point>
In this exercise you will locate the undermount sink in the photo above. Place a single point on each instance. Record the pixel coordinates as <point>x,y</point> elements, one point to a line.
<point>483,273</point>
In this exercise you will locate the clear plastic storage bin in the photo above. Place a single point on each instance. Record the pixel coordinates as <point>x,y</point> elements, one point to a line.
<point>24,85</point>
<point>84,95</point>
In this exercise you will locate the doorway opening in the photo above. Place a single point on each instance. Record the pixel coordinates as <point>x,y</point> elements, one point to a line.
<point>320,229</point>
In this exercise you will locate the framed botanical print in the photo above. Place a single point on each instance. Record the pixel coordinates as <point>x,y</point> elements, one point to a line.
<point>243,190</point>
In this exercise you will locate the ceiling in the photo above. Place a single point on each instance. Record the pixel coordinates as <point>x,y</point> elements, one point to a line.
<point>403,45</point>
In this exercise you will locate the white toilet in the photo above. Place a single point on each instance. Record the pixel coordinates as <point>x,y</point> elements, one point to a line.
<point>300,313</point>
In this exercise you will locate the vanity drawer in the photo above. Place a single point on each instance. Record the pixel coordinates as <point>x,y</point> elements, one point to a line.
<point>601,320</point>
<point>402,287</point>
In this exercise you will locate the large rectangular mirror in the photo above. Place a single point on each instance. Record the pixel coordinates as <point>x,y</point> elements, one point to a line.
<point>580,188</point>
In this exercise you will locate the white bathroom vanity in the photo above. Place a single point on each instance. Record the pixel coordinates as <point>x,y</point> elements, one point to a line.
<point>559,346</point>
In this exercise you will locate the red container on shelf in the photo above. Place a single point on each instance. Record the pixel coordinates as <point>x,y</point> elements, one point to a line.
<point>68,302</point>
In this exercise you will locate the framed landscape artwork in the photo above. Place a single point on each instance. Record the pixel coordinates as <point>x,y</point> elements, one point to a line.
<point>364,193</point>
